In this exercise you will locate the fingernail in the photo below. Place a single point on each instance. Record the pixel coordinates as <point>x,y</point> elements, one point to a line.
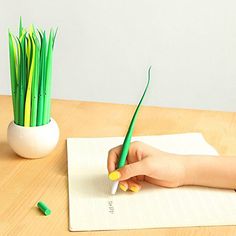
<point>123,187</point>
<point>134,189</point>
<point>114,175</point>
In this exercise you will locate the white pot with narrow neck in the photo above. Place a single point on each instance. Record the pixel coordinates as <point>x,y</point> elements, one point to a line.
<point>33,142</point>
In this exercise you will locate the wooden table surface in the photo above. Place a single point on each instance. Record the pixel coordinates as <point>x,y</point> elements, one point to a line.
<point>24,182</point>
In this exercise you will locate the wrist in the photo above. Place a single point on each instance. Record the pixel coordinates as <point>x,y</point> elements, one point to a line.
<point>203,170</point>
<point>191,169</point>
<point>210,171</point>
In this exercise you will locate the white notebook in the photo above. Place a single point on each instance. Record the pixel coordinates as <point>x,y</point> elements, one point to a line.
<point>92,207</point>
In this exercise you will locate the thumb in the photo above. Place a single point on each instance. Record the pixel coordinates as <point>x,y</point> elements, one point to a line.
<point>127,171</point>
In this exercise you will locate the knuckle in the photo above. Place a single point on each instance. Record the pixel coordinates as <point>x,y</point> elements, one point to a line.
<point>136,143</point>
<point>111,152</point>
<point>114,151</point>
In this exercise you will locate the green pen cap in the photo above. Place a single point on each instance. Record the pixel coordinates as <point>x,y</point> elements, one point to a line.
<point>43,207</point>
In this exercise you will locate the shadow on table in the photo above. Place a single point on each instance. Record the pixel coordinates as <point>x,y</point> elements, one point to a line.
<point>6,152</point>
<point>61,155</point>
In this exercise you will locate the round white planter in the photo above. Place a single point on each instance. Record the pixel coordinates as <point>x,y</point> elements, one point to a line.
<point>33,142</point>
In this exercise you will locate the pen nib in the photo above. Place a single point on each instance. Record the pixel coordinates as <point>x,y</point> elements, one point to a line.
<point>114,187</point>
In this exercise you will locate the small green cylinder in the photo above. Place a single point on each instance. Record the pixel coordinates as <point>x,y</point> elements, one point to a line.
<point>43,207</point>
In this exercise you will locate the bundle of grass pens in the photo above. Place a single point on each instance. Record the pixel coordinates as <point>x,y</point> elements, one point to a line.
<point>31,74</point>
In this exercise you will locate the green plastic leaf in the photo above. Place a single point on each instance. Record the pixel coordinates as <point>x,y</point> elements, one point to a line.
<point>20,27</point>
<point>22,80</point>
<point>29,86</point>
<point>42,78</point>
<point>12,55</point>
<point>54,37</point>
<point>48,81</point>
<point>35,83</point>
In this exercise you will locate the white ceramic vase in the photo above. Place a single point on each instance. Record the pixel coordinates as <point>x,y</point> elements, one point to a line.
<point>33,142</point>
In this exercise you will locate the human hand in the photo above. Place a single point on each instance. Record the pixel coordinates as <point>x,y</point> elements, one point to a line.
<point>146,163</point>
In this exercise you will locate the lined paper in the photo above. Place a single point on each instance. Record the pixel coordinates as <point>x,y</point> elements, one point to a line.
<point>92,207</point>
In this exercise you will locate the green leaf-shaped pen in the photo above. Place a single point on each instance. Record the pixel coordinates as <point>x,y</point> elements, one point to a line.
<point>42,78</point>
<point>126,143</point>
<point>22,81</point>
<point>13,63</point>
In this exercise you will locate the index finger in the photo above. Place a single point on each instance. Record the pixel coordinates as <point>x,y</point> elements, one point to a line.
<point>113,158</point>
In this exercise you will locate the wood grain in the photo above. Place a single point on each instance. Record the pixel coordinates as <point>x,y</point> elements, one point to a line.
<point>24,182</point>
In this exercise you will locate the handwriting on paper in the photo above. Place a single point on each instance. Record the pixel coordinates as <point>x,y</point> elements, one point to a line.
<point>111,208</point>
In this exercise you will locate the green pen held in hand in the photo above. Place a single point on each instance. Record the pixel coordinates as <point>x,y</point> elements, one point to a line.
<point>126,143</point>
